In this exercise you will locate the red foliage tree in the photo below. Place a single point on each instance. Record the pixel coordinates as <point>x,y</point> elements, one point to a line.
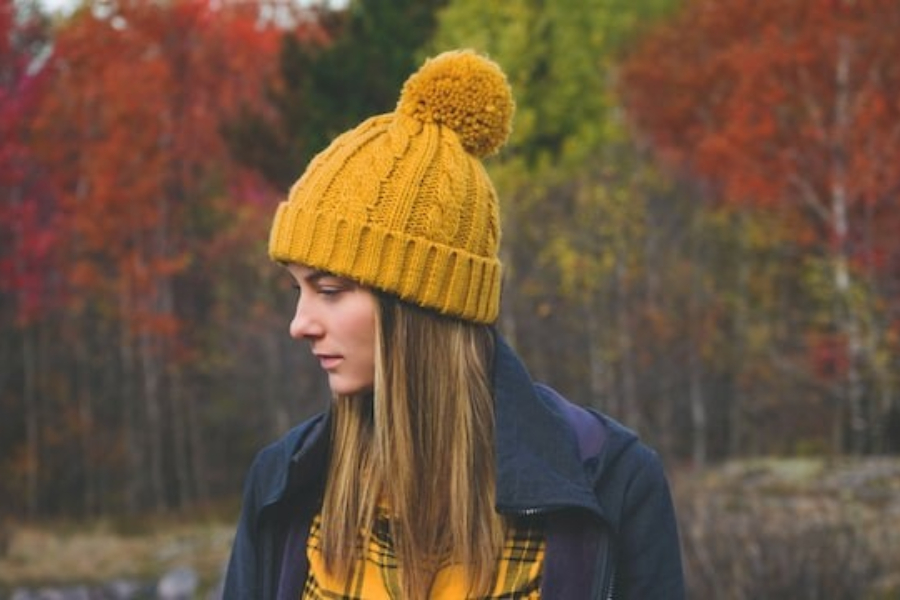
<point>791,106</point>
<point>128,130</point>
<point>26,225</point>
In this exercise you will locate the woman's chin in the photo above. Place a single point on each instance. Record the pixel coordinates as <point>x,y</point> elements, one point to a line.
<point>342,387</point>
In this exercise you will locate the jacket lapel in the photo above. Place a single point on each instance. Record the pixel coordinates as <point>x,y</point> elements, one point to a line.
<point>537,453</point>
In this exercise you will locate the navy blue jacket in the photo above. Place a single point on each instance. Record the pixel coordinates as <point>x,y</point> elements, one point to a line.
<point>602,494</point>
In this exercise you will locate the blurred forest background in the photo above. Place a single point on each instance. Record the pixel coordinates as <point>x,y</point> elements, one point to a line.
<point>700,203</point>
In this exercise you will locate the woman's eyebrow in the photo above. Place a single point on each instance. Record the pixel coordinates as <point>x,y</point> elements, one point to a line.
<point>316,275</point>
<point>310,277</point>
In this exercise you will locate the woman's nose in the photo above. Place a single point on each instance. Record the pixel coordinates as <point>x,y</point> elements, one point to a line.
<point>304,325</point>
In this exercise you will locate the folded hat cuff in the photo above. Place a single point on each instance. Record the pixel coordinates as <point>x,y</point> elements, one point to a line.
<point>420,271</point>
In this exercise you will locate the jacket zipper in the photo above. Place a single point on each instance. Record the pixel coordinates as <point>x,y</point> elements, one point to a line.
<point>607,587</point>
<point>527,512</point>
<point>610,592</point>
<point>607,567</point>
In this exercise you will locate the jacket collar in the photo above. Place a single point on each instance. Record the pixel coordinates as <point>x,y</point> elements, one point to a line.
<point>538,465</point>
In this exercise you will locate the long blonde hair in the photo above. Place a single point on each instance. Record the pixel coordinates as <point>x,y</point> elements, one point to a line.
<point>423,445</point>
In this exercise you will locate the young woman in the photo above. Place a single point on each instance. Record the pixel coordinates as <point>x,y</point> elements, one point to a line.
<point>440,469</point>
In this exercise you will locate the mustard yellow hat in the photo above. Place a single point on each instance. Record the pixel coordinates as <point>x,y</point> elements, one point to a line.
<point>402,202</point>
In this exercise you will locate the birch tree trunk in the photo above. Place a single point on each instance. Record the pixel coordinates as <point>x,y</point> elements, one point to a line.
<point>845,312</point>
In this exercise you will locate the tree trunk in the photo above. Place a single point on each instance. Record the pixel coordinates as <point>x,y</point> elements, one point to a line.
<point>83,394</point>
<point>695,366</point>
<point>597,367</point>
<point>151,377</point>
<point>630,409</point>
<point>698,406</point>
<point>846,317</point>
<point>32,423</point>
<point>280,418</point>
<point>181,455</point>
<point>741,331</point>
<point>196,447</point>
<point>131,437</point>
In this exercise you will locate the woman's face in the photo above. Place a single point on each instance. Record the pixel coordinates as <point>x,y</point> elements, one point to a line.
<point>337,317</point>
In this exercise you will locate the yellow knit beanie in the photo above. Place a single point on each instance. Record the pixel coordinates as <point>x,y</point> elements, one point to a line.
<point>402,202</point>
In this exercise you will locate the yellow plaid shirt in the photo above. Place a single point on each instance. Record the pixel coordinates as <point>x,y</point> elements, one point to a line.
<point>518,573</point>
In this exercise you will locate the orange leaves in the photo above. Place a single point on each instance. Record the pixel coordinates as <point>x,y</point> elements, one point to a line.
<point>790,108</point>
<point>27,231</point>
<point>129,130</point>
<point>774,100</point>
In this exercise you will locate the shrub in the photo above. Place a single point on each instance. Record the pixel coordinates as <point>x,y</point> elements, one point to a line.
<point>780,532</point>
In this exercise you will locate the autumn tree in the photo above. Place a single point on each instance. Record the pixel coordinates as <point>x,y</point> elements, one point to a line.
<point>146,202</point>
<point>790,109</point>
<point>27,232</point>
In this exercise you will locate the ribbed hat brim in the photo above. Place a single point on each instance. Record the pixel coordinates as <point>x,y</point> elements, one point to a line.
<point>446,279</point>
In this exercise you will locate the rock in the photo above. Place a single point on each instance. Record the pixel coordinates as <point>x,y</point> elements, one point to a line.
<point>70,593</point>
<point>125,589</point>
<point>177,584</point>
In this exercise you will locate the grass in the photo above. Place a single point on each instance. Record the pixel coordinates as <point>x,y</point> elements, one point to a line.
<point>93,552</point>
<point>802,516</point>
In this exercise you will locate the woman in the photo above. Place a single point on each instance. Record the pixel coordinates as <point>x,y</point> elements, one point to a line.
<point>440,470</point>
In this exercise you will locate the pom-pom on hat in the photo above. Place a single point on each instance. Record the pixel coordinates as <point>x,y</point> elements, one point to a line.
<point>402,202</point>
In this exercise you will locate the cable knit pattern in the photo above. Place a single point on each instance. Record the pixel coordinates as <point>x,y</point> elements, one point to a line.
<point>402,202</point>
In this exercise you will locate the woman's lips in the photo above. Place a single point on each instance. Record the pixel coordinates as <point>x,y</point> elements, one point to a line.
<point>328,361</point>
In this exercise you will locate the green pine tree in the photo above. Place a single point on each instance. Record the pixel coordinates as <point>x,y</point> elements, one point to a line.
<point>326,90</point>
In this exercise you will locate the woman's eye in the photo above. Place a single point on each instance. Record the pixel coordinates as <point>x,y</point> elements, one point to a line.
<point>333,286</point>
